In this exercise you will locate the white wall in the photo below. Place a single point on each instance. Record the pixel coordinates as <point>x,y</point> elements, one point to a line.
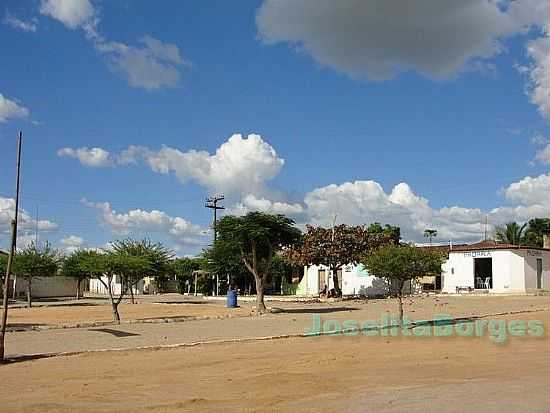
<point>55,286</point>
<point>355,281</point>
<point>97,286</point>
<point>514,271</point>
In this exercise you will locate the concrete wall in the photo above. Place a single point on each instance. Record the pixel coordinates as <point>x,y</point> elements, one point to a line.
<point>97,286</point>
<point>43,287</point>
<point>355,281</point>
<point>531,257</point>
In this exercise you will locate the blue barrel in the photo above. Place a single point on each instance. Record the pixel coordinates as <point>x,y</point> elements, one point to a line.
<point>231,298</point>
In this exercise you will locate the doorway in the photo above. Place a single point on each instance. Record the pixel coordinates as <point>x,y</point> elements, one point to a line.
<point>483,273</point>
<point>539,273</point>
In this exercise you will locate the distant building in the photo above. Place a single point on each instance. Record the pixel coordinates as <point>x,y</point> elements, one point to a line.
<point>354,280</point>
<point>497,268</point>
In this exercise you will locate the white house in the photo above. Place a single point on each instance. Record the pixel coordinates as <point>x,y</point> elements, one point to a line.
<point>497,268</point>
<point>353,279</point>
<point>97,286</point>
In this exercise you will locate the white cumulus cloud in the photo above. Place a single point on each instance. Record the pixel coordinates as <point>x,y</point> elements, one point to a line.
<point>92,157</point>
<point>72,13</point>
<point>11,109</point>
<point>139,221</point>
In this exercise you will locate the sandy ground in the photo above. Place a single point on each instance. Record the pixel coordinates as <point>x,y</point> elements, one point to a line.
<point>84,313</point>
<point>72,313</point>
<point>338,373</point>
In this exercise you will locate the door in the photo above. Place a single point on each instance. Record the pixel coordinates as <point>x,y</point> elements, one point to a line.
<point>539,273</point>
<point>322,281</point>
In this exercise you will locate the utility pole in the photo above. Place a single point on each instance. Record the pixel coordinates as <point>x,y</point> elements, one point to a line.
<point>12,252</point>
<point>212,203</point>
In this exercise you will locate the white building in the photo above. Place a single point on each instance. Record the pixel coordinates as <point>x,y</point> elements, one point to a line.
<point>97,287</point>
<point>497,268</point>
<point>353,279</point>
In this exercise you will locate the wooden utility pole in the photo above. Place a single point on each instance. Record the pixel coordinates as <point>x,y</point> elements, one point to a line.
<point>212,203</point>
<point>12,252</point>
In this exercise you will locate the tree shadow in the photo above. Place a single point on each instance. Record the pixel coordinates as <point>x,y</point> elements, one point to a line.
<point>323,310</point>
<point>116,333</point>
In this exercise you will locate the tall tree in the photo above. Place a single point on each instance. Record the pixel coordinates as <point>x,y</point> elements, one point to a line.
<point>105,266</point>
<point>71,268</point>
<point>536,229</point>
<point>401,263</point>
<point>339,246</point>
<point>35,261</point>
<point>255,238</point>
<point>511,233</point>
<point>430,233</point>
<point>149,260</point>
<point>183,269</point>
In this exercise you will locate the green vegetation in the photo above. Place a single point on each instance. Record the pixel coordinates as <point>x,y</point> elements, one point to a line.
<point>399,264</point>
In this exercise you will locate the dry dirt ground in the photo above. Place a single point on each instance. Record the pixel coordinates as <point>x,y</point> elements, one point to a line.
<point>78,314</point>
<point>338,373</point>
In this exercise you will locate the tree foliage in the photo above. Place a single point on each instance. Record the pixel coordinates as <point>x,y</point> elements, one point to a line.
<point>183,269</point>
<point>536,229</point>
<point>340,245</point>
<point>255,238</point>
<point>511,233</point>
<point>35,261</point>
<point>401,263</point>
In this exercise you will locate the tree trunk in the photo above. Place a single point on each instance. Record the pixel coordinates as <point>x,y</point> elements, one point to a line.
<point>260,305</point>
<point>400,286</point>
<point>78,288</point>
<point>29,293</point>
<point>132,294</point>
<point>337,289</point>
<point>116,315</point>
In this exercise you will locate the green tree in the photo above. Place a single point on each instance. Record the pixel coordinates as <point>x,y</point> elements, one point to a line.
<point>430,233</point>
<point>399,264</point>
<point>71,267</point>
<point>183,269</point>
<point>35,261</point>
<point>339,246</point>
<point>511,233</point>
<point>105,266</point>
<point>536,229</point>
<point>255,238</point>
<point>145,259</point>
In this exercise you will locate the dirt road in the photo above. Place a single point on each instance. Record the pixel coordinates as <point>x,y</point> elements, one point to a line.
<point>339,373</point>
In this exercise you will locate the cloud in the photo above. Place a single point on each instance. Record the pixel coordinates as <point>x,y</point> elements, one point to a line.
<point>11,109</point>
<point>72,243</point>
<point>543,155</point>
<point>18,24</point>
<point>252,203</point>
<point>241,165</point>
<point>530,190</point>
<point>72,13</point>
<point>379,38</point>
<point>539,74</point>
<point>364,202</point>
<point>151,66</point>
<point>26,223</point>
<point>92,157</point>
<point>178,229</point>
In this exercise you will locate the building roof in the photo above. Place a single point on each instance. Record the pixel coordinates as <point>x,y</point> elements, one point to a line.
<point>3,252</point>
<point>493,245</point>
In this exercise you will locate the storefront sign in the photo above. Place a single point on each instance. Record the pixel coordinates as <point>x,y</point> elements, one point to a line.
<point>477,254</point>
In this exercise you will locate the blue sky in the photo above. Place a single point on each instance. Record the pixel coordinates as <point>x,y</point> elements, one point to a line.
<point>432,115</point>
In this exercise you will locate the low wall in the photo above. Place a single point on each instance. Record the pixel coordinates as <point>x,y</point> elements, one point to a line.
<point>42,287</point>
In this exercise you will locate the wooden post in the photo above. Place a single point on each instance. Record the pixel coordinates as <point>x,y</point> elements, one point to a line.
<point>12,253</point>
